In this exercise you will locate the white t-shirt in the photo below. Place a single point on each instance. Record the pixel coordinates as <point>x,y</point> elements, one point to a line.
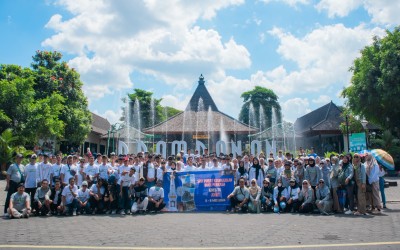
<point>190,168</point>
<point>83,195</point>
<point>68,195</point>
<point>127,180</point>
<point>103,171</point>
<point>30,175</point>
<point>160,173</point>
<point>156,195</point>
<point>44,171</point>
<point>66,170</point>
<point>151,171</point>
<point>94,189</point>
<point>92,170</point>
<point>56,196</point>
<point>56,169</point>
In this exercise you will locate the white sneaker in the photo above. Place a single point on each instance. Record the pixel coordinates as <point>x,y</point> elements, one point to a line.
<point>113,212</point>
<point>122,212</point>
<point>74,213</point>
<point>348,212</point>
<point>6,215</point>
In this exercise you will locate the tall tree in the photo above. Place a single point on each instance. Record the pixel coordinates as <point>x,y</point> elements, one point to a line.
<point>29,117</point>
<point>55,77</point>
<point>145,99</point>
<point>256,98</point>
<point>375,89</point>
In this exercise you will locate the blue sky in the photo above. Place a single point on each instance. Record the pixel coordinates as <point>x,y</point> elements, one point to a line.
<point>301,49</point>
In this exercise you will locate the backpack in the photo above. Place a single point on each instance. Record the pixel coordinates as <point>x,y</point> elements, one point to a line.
<point>342,177</point>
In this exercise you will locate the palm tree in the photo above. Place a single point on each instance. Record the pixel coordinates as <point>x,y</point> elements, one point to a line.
<point>8,149</point>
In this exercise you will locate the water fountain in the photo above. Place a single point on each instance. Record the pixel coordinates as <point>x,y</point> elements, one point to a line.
<point>251,116</point>
<point>223,135</point>
<point>153,116</point>
<point>199,114</point>
<point>274,124</point>
<point>261,119</point>
<point>209,124</point>
<point>166,124</point>
<point>128,122</point>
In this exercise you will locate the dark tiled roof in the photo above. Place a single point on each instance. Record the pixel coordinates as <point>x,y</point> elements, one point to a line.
<point>100,125</point>
<point>190,121</point>
<point>201,92</point>
<point>325,118</point>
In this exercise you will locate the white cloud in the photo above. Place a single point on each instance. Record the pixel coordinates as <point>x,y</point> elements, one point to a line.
<point>111,115</point>
<point>322,99</point>
<point>382,11</point>
<point>176,101</point>
<point>110,41</point>
<point>294,108</point>
<point>323,57</point>
<point>292,3</point>
<point>340,8</point>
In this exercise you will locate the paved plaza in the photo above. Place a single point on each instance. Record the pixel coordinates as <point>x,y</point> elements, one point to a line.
<point>218,230</point>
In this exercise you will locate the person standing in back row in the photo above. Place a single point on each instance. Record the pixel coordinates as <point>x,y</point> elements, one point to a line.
<point>14,177</point>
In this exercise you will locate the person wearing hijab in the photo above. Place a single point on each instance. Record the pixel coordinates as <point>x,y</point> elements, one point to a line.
<point>299,171</point>
<point>255,194</point>
<point>325,172</point>
<point>312,174</point>
<point>335,184</point>
<point>267,192</point>
<point>306,198</point>
<point>256,172</point>
<point>279,197</point>
<point>345,176</point>
<point>323,198</point>
<point>292,196</point>
<point>361,179</point>
<point>372,171</point>
<point>287,174</point>
<point>241,173</point>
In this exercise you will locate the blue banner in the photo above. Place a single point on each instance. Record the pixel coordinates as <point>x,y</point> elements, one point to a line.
<point>198,190</point>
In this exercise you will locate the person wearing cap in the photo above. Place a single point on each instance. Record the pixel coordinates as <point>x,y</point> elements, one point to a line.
<point>20,203</point>
<point>30,173</point>
<point>15,175</point>
<point>287,174</point>
<point>44,170</point>
<point>68,170</point>
<point>292,198</point>
<point>271,172</point>
<point>69,198</point>
<point>41,202</point>
<point>83,199</point>
<point>57,166</point>
<point>140,199</point>
<point>298,171</point>
<point>239,197</point>
<point>267,195</point>
<point>280,155</point>
<point>56,197</point>
<point>156,197</point>
<point>306,198</point>
<point>323,198</point>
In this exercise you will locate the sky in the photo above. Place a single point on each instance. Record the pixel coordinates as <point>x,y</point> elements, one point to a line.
<point>301,49</point>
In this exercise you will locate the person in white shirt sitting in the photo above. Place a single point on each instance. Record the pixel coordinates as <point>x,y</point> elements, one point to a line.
<point>156,197</point>
<point>83,199</point>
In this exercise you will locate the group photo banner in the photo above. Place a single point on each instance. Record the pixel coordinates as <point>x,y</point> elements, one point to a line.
<point>198,190</point>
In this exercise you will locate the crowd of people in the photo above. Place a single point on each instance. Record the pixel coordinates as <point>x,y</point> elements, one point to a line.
<point>129,184</point>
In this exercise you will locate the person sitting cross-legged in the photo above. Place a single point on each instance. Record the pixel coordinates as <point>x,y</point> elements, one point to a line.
<point>20,203</point>
<point>239,197</point>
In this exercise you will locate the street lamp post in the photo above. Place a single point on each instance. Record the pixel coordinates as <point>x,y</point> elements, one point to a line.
<point>347,131</point>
